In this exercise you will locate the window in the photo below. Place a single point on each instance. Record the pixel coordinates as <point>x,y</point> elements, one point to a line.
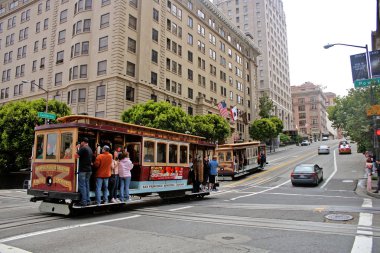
<point>63,16</point>
<point>86,25</point>
<point>74,96</point>
<point>39,146</point>
<point>61,36</point>
<point>190,110</point>
<point>103,43</point>
<point>153,78</point>
<point>173,153</point>
<point>154,56</point>
<point>82,95</point>
<point>60,56</point>
<point>58,79</point>
<point>155,35</point>
<point>102,67</point>
<point>83,71</point>
<point>190,74</point>
<point>100,92</point>
<point>66,149</point>
<point>104,20</point>
<point>131,45</point>
<point>133,3</point>
<point>190,56</point>
<point>130,69</point>
<point>161,152</point>
<point>190,22</point>
<point>130,93</point>
<point>85,46</point>
<point>38,27</point>
<point>149,151</point>
<point>46,23</point>
<point>42,63</point>
<point>189,39</point>
<point>132,23</point>
<point>190,93</point>
<point>100,114</point>
<point>47,5</point>
<point>51,146</point>
<point>44,41</point>
<point>105,2</point>
<point>155,15</point>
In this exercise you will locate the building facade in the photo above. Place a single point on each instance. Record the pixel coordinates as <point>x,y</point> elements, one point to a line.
<point>265,21</point>
<point>102,57</point>
<point>309,110</point>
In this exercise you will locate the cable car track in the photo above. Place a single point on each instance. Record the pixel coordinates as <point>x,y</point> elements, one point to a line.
<point>21,221</point>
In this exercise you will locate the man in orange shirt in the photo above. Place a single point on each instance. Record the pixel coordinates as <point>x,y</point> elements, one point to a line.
<point>102,165</point>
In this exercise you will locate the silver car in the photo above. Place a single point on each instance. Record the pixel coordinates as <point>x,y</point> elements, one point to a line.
<point>323,149</point>
<point>307,174</point>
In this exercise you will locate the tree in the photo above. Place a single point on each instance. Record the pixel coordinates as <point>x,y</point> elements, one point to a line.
<point>161,115</point>
<point>279,125</point>
<point>17,122</point>
<point>265,106</point>
<point>284,138</point>
<point>212,127</point>
<point>350,115</point>
<point>262,129</point>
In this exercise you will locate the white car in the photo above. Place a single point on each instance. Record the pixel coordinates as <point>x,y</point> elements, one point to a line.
<point>305,143</point>
<point>325,138</point>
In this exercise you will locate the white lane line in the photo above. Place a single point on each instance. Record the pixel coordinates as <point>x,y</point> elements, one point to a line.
<point>10,249</point>
<point>364,235</point>
<point>255,193</point>
<point>180,208</point>
<point>280,158</point>
<point>335,170</point>
<point>17,237</point>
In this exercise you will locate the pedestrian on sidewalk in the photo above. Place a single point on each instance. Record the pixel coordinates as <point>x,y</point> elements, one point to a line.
<point>378,175</point>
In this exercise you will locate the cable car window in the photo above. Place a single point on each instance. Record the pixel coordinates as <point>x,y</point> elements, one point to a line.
<point>66,146</point>
<point>134,152</point>
<point>183,154</point>
<point>228,156</point>
<point>149,151</point>
<point>51,147</point>
<point>221,157</point>
<point>173,153</point>
<point>161,152</point>
<point>40,147</point>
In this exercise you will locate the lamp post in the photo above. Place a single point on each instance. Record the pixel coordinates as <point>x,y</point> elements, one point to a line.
<point>47,95</point>
<point>369,72</point>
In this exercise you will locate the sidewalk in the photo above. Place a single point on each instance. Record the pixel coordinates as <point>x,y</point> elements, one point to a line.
<point>374,188</point>
<point>281,148</point>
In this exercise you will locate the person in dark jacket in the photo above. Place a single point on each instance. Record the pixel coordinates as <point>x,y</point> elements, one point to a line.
<point>206,173</point>
<point>84,155</point>
<point>263,159</point>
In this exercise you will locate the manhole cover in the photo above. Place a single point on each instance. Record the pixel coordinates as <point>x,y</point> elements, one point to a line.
<point>339,217</point>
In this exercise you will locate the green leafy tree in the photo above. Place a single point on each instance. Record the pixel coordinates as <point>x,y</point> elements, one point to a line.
<point>350,115</point>
<point>212,127</point>
<point>265,107</point>
<point>279,125</point>
<point>17,122</point>
<point>284,138</point>
<point>160,115</point>
<point>262,129</point>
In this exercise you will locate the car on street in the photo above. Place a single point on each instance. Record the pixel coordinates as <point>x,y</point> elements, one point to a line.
<point>305,143</point>
<point>324,138</point>
<point>323,149</point>
<point>344,148</point>
<point>307,174</point>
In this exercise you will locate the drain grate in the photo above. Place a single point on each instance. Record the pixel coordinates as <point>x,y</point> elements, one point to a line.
<point>339,217</point>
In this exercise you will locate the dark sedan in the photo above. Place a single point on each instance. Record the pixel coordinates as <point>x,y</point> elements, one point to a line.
<point>307,174</point>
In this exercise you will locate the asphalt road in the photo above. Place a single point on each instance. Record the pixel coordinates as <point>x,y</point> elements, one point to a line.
<point>259,213</point>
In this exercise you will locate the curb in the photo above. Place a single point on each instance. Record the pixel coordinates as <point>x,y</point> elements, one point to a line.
<point>372,194</point>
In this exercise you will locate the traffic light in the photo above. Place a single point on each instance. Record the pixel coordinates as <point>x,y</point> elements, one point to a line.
<point>378,132</point>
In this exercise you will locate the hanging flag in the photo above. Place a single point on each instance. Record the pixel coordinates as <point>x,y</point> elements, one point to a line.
<point>223,109</point>
<point>234,113</point>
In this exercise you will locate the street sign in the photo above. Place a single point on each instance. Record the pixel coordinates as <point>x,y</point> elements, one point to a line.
<point>46,115</point>
<point>366,82</point>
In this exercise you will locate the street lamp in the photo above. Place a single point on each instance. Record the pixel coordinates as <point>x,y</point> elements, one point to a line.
<point>369,72</point>
<point>47,95</point>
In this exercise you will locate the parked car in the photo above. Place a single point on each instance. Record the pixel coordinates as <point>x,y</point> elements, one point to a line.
<point>323,149</point>
<point>344,148</point>
<point>307,174</point>
<point>325,138</point>
<point>305,143</point>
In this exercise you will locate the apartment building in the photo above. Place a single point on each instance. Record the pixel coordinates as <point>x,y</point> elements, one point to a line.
<point>265,21</point>
<point>309,110</point>
<point>102,57</point>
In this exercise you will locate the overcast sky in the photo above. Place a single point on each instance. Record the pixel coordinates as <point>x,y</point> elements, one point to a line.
<point>311,24</point>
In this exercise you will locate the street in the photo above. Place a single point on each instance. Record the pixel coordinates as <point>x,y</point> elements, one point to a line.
<point>262,212</point>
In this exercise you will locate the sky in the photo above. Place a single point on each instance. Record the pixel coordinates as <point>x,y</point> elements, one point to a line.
<point>311,24</point>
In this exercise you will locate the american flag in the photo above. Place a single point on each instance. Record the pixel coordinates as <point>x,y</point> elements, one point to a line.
<point>223,109</point>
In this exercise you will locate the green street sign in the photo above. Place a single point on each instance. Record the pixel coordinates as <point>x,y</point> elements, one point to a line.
<point>46,115</point>
<point>366,82</point>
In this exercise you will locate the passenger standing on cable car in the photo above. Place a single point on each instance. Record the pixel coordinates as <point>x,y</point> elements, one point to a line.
<point>213,172</point>
<point>103,164</point>
<point>125,167</point>
<point>84,170</point>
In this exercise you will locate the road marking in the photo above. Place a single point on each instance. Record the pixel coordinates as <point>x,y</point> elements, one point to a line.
<point>364,235</point>
<point>22,236</point>
<point>180,208</point>
<point>335,170</point>
<point>10,249</point>
<point>255,193</point>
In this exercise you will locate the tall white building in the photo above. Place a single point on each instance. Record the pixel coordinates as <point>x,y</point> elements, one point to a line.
<point>265,21</point>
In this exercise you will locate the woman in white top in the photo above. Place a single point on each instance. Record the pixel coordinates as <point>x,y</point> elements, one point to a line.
<point>125,167</point>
